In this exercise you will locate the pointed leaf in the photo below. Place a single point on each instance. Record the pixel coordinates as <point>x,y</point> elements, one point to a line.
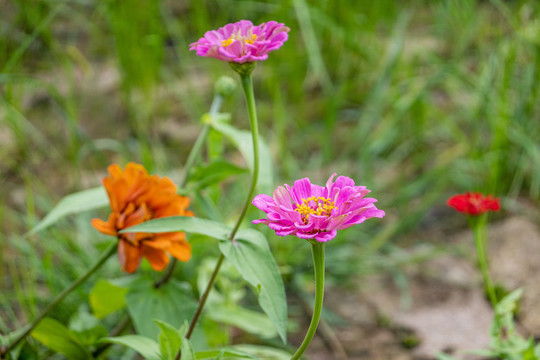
<point>106,298</point>
<point>264,352</point>
<point>183,223</point>
<point>225,354</point>
<point>508,304</point>
<point>75,203</point>
<point>86,327</point>
<point>148,348</point>
<point>251,256</point>
<point>213,173</point>
<point>59,338</point>
<point>27,352</point>
<point>170,302</point>
<point>187,350</point>
<point>170,340</point>
<point>250,321</point>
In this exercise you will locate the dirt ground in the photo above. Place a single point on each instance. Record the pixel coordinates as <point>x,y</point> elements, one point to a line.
<point>444,309</point>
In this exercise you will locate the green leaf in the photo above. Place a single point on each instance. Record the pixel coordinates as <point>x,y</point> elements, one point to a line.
<point>59,338</point>
<point>508,304</point>
<point>251,256</point>
<point>148,348</point>
<point>86,327</point>
<point>264,352</point>
<point>529,353</point>
<point>243,142</point>
<point>213,173</point>
<point>188,224</point>
<point>170,340</point>
<point>250,321</point>
<point>170,302</point>
<point>187,350</point>
<point>537,350</point>
<point>27,352</point>
<point>71,204</point>
<point>9,338</point>
<point>24,351</point>
<point>204,204</point>
<point>225,354</point>
<point>105,298</point>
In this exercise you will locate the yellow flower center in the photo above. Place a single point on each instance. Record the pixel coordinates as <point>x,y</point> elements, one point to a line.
<point>315,205</point>
<point>236,36</point>
<point>253,38</point>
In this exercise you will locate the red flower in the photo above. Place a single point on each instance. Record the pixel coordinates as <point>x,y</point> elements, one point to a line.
<point>474,203</point>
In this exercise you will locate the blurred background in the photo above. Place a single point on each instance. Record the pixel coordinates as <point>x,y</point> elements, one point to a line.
<point>417,100</point>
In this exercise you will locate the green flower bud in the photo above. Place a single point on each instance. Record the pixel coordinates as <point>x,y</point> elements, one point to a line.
<point>225,86</point>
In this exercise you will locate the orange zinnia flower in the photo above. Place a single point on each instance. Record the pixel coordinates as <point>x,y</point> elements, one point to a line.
<point>135,197</point>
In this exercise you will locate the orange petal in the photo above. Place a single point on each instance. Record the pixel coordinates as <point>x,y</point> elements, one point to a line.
<point>135,238</point>
<point>105,227</point>
<point>160,200</point>
<point>139,188</point>
<point>115,171</point>
<point>158,259</point>
<point>135,175</point>
<point>174,236</point>
<point>174,208</point>
<point>138,216</point>
<point>117,190</point>
<point>129,256</point>
<point>133,169</point>
<point>166,185</point>
<point>159,242</point>
<point>180,250</point>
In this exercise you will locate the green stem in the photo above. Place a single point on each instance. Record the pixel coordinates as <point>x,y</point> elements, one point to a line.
<point>247,86</point>
<point>479,228</point>
<point>204,296</point>
<point>201,139</point>
<point>318,263</point>
<point>111,250</point>
<point>190,162</point>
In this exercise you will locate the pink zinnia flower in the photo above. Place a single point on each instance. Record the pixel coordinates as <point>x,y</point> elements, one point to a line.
<point>474,203</point>
<point>242,42</point>
<point>316,212</point>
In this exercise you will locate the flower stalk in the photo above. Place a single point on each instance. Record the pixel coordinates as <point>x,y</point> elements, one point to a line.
<point>241,45</point>
<point>477,206</point>
<point>104,257</point>
<point>247,86</point>
<point>317,250</point>
<point>478,224</point>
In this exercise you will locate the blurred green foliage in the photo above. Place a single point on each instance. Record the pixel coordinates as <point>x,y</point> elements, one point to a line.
<point>414,99</point>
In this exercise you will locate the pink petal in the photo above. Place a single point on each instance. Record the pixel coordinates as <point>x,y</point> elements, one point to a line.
<point>303,235</point>
<point>301,189</point>
<point>326,236</point>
